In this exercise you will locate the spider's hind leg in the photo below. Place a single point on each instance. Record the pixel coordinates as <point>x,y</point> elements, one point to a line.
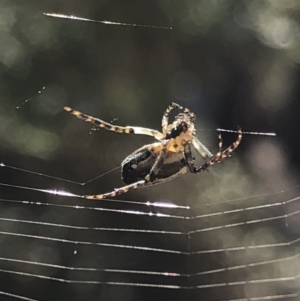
<point>116,191</point>
<point>149,178</point>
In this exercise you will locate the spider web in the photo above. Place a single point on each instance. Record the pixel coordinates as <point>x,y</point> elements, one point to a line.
<point>231,234</point>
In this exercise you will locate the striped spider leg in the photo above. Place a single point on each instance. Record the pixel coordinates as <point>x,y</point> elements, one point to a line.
<point>221,155</point>
<point>165,118</point>
<point>116,191</point>
<point>114,128</point>
<point>148,179</point>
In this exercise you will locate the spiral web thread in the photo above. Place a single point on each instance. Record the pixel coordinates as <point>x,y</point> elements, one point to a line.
<point>171,248</point>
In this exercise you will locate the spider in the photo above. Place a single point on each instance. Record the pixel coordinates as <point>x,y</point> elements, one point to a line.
<point>166,159</point>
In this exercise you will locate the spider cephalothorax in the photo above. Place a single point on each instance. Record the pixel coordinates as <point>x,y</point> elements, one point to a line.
<point>166,159</point>
<point>181,131</point>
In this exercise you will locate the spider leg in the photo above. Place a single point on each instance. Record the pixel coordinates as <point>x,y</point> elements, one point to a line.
<point>165,118</point>
<point>201,148</point>
<point>227,152</point>
<point>159,162</point>
<point>116,191</point>
<point>150,177</point>
<point>119,129</point>
<point>189,158</point>
<point>221,155</point>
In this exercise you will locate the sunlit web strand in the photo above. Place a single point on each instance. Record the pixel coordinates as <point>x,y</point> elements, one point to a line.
<point>29,99</point>
<point>244,248</point>
<point>213,214</point>
<point>224,284</point>
<point>72,17</point>
<point>69,194</point>
<point>92,228</point>
<point>17,296</point>
<point>146,272</point>
<point>248,133</point>
<point>155,204</point>
<point>250,222</point>
<point>88,243</point>
<point>252,247</point>
<point>264,298</point>
<point>244,266</point>
<point>57,266</point>
<point>250,208</point>
<point>244,282</point>
<point>141,272</point>
<point>253,196</point>
<point>93,281</point>
<point>57,178</point>
<point>77,207</point>
<point>138,212</point>
<point>253,221</point>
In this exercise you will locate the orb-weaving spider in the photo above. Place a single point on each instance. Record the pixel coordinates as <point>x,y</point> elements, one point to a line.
<point>166,159</point>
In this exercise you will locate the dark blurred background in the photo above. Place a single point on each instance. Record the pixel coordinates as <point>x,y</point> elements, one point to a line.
<point>231,62</point>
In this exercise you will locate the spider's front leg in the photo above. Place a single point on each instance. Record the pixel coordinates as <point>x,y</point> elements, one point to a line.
<point>215,159</point>
<point>221,155</point>
<point>114,128</point>
<point>201,149</point>
<point>165,118</point>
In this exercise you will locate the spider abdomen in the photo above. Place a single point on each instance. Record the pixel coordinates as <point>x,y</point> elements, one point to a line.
<point>137,165</point>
